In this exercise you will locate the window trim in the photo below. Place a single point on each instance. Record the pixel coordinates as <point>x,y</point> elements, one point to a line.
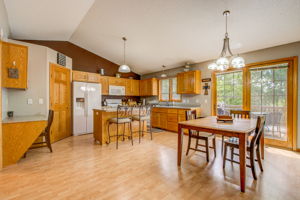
<point>170,90</point>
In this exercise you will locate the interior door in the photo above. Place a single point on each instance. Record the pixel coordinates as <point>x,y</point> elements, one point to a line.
<point>60,101</point>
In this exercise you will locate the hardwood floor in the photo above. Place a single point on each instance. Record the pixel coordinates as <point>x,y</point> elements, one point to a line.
<point>80,169</point>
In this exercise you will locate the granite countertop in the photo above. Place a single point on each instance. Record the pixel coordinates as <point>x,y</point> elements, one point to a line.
<point>30,118</point>
<point>177,106</point>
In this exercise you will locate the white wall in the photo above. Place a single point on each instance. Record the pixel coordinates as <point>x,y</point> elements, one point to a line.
<point>38,83</point>
<point>272,53</point>
<point>4,20</point>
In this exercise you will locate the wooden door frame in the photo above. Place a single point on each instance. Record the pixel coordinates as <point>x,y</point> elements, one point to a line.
<point>292,96</point>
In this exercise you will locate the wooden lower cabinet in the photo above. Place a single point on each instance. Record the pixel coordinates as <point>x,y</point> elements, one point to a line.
<point>168,118</point>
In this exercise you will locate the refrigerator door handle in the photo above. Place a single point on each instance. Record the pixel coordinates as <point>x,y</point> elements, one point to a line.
<point>86,103</point>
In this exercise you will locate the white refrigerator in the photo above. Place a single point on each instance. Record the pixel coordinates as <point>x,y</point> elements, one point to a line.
<point>86,97</point>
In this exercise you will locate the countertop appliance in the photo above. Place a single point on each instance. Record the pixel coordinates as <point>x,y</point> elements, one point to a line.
<point>113,102</point>
<point>117,90</point>
<point>86,97</point>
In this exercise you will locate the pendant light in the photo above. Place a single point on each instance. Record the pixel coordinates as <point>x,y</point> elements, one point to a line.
<point>224,61</point>
<point>163,75</point>
<point>124,68</point>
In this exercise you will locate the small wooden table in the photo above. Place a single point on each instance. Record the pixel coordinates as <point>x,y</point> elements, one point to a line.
<point>240,128</point>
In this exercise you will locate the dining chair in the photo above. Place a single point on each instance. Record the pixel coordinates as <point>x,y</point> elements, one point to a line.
<point>143,116</point>
<point>206,137</point>
<point>44,135</point>
<point>124,116</point>
<point>238,114</point>
<point>252,147</point>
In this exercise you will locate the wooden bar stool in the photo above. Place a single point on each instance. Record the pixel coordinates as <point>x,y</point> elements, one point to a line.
<point>206,137</point>
<point>143,116</point>
<point>124,116</point>
<point>252,147</point>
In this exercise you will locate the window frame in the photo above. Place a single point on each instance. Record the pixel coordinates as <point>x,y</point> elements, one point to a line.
<point>170,90</point>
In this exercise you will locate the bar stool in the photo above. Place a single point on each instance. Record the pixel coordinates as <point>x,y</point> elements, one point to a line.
<point>143,116</point>
<point>124,116</point>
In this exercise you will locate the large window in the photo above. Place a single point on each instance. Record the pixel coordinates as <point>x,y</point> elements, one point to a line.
<point>168,90</point>
<point>229,92</point>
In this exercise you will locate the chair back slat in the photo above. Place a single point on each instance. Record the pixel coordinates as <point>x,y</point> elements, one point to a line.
<point>244,114</point>
<point>124,111</point>
<point>50,120</point>
<point>145,110</point>
<point>259,130</point>
<point>190,115</point>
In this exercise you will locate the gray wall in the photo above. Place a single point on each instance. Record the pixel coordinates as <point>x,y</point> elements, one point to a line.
<point>15,100</point>
<point>283,51</point>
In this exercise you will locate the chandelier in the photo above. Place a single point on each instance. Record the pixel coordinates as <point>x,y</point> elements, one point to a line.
<point>225,61</point>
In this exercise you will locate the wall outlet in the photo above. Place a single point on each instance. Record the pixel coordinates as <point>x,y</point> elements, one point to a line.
<point>41,101</point>
<point>29,101</point>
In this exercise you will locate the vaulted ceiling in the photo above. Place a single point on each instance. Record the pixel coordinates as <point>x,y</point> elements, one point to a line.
<point>159,32</point>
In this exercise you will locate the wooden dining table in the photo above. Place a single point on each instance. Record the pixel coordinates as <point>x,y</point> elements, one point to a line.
<point>240,128</point>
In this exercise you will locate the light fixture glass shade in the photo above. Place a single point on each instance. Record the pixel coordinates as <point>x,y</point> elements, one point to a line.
<point>124,69</point>
<point>163,75</point>
<point>238,62</point>
<point>223,63</point>
<point>212,66</point>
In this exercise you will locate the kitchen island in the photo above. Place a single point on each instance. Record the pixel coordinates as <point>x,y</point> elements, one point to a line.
<point>101,117</point>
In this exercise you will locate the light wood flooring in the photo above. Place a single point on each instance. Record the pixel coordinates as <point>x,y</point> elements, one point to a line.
<point>80,169</point>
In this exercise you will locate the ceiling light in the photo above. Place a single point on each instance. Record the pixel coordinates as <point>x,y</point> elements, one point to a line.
<point>124,68</point>
<point>223,63</point>
<point>163,75</point>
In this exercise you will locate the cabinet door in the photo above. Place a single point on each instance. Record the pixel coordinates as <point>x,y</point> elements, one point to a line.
<point>155,119</point>
<point>104,84</point>
<point>117,81</point>
<point>93,77</point>
<point>180,83</point>
<point>135,86</point>
<point>80,76</point>
<point>163,120</point>
<point>128,89</point>
<point>14,65</point>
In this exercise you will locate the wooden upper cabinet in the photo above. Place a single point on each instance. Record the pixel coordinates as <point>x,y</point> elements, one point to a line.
<point>103,80</point>
<point>116,81</point>
<point>189,82</point>
<point>79,76</point>
<point>132,87</point>
<point>14,65</point>
<point>149,87</point>
<point>93,77</point>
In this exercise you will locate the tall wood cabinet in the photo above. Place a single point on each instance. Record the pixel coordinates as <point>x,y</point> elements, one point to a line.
<point>149,87</point>
<point>189,82</point>
<point>132,87</point>
<point>14,65</point>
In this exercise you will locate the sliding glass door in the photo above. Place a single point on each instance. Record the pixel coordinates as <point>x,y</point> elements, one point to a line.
<point>229,92</point>
<point>267,88</point>
<point>269,98</point>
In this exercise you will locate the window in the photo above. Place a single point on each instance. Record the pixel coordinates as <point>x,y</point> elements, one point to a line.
<point>168,90</point>
<point>229,92</point>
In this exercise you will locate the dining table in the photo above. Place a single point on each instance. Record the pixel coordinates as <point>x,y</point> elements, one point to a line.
<point>239,128</point>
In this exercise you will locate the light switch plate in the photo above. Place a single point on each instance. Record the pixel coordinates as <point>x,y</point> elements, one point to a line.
<point>29,101</point>
<point>41,101</point>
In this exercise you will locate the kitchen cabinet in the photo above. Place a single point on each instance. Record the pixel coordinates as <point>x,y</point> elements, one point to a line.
<point>116,81</point>
<point>103,80</point>
<point>132,87</point>
<point>189,82</point>
<point>168,118</point>
<point>79,76</point>
<point>14,65</point>
<point>149,87</point>
<point>93,77</point>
